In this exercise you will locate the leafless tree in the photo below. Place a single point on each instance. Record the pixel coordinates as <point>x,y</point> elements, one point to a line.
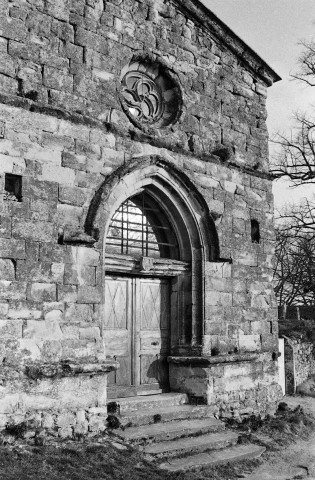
<point>298,221</point>
<point>295,159</point>
<point>294,273</point>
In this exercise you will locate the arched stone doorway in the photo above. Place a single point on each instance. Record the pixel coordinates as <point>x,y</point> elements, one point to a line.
<point>157,233</point>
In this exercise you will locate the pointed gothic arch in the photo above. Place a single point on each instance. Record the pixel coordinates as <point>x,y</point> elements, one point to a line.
<point>177,203</point>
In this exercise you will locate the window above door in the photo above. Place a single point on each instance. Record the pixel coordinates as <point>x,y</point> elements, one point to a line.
<point>140,228</point>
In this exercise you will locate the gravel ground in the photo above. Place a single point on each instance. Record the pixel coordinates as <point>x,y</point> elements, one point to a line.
<point>297,461</point>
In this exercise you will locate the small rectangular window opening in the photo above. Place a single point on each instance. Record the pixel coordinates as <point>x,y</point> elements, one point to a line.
<point>255,231</point>
<point>13,187</point>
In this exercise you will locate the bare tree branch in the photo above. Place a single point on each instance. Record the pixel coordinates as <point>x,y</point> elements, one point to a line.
<point>295,158</point>
<point>294,273</point>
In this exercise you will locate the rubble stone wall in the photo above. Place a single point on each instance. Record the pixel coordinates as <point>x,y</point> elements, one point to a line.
<point>63,130</point>
<point>299,362</point>
<point>70,54</point>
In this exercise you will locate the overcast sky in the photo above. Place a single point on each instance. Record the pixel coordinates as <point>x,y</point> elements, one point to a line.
<point>273,29</point>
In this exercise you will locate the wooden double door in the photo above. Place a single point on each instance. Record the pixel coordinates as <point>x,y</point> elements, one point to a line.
<point>137,334</point>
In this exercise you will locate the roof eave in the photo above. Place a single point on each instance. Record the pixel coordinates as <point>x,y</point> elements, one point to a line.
<point>209,20</point>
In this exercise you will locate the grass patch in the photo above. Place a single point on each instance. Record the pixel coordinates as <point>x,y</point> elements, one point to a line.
<point>108,460</point>
<point>73,461</point>
<point>283,428</point>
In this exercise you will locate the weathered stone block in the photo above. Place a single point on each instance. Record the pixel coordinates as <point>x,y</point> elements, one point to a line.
<point>42,211</point>
<point>270,343</point>
<point>73,161</point>
<point>72,196</point>
<point>89,39</point>
<point>5,226</point>
<point>65,432</point>
<point>69,215</point>
<point>247,258</point>
<point>11,329</point>
<point>42,292</point>
<point>58,9</point>
<point>43,329</point>
<point>234,384</point>
<point>39,190</point>
<point>38,231</point>
<point>54,78</point>
<point>218,284</point>
<point>48,421</point>
<point>79,275</point>
<point>86,256</point>
<point>66,419</point>
<point>24,309</point>
<point>261,301</point>
<point>51,252</point>
<point>12,248</point>
<point>57,272</point>
<point>4,308</point>
<point>218,269</point>
<point>79,313</point>
<point>218,298</point>
<point>81,428</point>
<point>7,269</point>
<point>12,290</point>
<point>36,152</point>
<point>53,173</point>
<point>239,226</point>
<point>87,294</point>
<point>250,343</point>
<point>102,138</point>
<point>67,293</point>
<point>14,29</point>
<point>97,424</point>
<point>90,333</point>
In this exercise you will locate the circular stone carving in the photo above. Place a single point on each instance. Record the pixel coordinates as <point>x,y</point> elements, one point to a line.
<point>149,94</point>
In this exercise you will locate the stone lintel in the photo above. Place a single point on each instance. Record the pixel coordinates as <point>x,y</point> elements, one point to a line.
<point>69,369</point>
<point>157,266</point>
<point>208,361</point>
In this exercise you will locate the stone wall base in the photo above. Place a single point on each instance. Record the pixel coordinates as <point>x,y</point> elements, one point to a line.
<point>66,400</point>
<point>233,389</point>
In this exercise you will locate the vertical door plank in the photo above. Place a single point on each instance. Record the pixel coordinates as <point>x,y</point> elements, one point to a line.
<point>153,314</point>
<point>118,328</point>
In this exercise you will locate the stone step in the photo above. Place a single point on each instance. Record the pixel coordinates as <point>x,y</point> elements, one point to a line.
<point>139,403</point>
<point>159,432</point>
<point>164,414</point>
<point>216,457</point>
<point>192,445</point>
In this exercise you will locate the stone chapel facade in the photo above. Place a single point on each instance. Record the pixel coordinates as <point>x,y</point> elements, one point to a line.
<point>136,213</point>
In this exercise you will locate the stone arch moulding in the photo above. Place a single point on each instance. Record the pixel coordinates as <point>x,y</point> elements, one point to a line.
<point>192,223</point>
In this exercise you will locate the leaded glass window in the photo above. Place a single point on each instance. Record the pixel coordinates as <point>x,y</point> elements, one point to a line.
<point>141,228</point>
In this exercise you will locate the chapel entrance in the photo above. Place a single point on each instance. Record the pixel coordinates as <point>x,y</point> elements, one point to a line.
<point>141,248</point>
<point>137,323</point>
<point>155,243</point>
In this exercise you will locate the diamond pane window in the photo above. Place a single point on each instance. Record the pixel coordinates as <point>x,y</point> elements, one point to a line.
<point>140,228</point>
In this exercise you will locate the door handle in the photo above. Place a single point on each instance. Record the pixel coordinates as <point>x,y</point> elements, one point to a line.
<point>155,343</point>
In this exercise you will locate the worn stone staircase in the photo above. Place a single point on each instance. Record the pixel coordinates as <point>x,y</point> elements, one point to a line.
<point>180,436</point>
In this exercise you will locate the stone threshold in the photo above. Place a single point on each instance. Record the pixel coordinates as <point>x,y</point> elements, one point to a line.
<point>69,369</point>
<point>208,361</point>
